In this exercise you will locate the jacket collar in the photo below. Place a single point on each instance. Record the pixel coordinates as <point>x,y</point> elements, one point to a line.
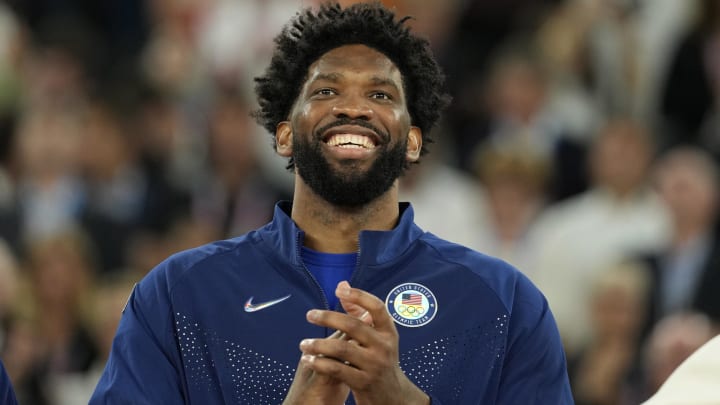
<point>376,247</point>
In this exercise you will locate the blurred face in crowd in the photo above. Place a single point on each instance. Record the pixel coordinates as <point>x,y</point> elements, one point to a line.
<point>60,271</point>
<point>617,311</point>
<point>48,143</point>
<point>231,142</point>
<point>517,91</point>
<point>687,183</point>
<point>350,128</point>
<point>105,146</point>
<point>620,157</point>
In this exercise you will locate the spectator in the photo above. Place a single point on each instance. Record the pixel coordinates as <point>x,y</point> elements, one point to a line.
<point>233,195</point>
<point>618,217</point>
<point>690,88</point>
<point>49,195</point>
<point>62,269</point>
<point>522,115</point>
<point>107,304</point>
<point>671,341</point>
<point>515,184</point>
<point>601,370</point>
<point>686,272</point>
<point>122,200</point>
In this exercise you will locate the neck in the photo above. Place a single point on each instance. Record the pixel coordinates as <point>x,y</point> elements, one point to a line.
<point>332,229</point>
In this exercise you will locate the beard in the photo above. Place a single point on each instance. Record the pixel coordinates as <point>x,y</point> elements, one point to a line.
<point>349,187</point>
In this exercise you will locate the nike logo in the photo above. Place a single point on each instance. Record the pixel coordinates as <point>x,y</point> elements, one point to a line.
<point>250,307</point>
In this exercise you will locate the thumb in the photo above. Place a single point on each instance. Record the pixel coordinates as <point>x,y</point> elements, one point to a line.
<point>353,309</point>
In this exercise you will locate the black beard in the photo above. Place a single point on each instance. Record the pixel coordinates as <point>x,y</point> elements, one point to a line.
<point>349,187</point>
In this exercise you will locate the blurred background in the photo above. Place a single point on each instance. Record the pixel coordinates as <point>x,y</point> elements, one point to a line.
<point>582,147</point>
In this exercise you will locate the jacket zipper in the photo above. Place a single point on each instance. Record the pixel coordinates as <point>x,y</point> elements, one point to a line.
<point>355,272</point>
<point>309,274</point>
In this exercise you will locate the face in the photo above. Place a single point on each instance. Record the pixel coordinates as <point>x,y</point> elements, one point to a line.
<point>621,157</point>
<point>349,131</point>
<point>688,188</point>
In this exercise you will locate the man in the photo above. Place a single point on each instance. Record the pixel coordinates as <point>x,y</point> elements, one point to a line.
<point>350,95</point>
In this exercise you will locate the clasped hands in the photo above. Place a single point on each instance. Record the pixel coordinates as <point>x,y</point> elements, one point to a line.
<point>363,357</point>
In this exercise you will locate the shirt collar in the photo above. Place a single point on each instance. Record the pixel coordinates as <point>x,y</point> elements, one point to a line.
<point>376,247</point>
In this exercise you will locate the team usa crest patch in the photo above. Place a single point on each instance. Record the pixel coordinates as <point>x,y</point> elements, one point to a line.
<point>411,304</point>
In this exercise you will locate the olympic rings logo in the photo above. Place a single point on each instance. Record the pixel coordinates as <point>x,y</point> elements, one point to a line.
<point>411,305</point>
<point>410,311</point>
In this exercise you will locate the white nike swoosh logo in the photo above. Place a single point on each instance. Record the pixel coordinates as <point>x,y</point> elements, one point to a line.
<point>250,307</point>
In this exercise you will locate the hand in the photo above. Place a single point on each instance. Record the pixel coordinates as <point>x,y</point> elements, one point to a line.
<point>368,360</point>
<point>309,387</point>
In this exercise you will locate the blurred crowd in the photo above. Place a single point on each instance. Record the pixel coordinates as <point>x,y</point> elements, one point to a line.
<point>582,146</point>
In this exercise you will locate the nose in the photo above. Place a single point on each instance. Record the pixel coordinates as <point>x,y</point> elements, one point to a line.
<point>353,107</point>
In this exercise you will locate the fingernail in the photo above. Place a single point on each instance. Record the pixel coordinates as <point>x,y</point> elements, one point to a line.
<point>306,342</point>
<point>307,358</point>
<point>313,315</point>
<point>343,290</point>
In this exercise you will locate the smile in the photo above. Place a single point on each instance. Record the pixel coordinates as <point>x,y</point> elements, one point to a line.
<point>350,141</point>
<point>355,137</point>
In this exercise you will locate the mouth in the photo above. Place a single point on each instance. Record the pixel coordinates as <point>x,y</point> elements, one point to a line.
<point>351,137</point>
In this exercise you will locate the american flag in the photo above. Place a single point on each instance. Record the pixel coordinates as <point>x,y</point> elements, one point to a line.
<point>412,299</point>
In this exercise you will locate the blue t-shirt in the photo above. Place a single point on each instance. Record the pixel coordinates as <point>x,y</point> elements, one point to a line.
<point>329,269</point>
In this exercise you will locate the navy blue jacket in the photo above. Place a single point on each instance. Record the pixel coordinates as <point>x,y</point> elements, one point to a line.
<point>7,393</point>
<point>473,330</point>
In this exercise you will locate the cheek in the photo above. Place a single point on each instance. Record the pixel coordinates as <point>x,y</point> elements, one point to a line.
<point>401,118</point>
<point>305,118</point>
<point>306,111</point>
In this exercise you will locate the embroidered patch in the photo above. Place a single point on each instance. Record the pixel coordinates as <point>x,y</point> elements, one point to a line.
<point>411,304</point>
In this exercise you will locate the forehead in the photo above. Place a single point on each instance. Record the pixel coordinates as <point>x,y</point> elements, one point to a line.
<point>349,60</point>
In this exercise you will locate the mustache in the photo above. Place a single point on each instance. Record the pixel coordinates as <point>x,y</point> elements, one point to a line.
<point>384,136</point>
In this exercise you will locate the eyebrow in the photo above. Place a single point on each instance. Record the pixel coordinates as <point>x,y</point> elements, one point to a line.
<point>384,81</point>
<point>337,77</point>
<point>328,77</point>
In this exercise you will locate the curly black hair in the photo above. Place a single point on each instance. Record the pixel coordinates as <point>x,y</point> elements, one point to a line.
<point>311,34</point>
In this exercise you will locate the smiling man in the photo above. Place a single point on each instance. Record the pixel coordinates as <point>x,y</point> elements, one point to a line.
<point>341,298</point>
<point>352,128</point>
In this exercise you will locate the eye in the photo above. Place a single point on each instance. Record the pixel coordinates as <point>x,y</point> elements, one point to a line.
<point>324,91</point>
<point>381,95</point>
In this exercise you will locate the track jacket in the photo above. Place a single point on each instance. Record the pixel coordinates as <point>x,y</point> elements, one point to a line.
<point>221,324</point>
<point>7,393</point>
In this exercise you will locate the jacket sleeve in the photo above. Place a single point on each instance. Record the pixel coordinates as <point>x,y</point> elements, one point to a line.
<point>7,393</point>
<point>535,368</point>
<point>144,366</point>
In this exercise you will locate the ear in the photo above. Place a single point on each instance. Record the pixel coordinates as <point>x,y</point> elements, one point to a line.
<point>283,139</point>
<point>414,144</point>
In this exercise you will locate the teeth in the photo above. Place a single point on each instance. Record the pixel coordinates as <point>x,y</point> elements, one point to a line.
<point>350,141</point>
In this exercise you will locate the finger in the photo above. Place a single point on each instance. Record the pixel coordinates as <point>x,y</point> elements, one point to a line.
<point>346,324</point>
<point>305,376</point>
<point>325,366</point>
<point>357,311</point>
<point>302,373</point>
<point>365,317</point>
<point>355,296</point>
<point>339,350</point>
